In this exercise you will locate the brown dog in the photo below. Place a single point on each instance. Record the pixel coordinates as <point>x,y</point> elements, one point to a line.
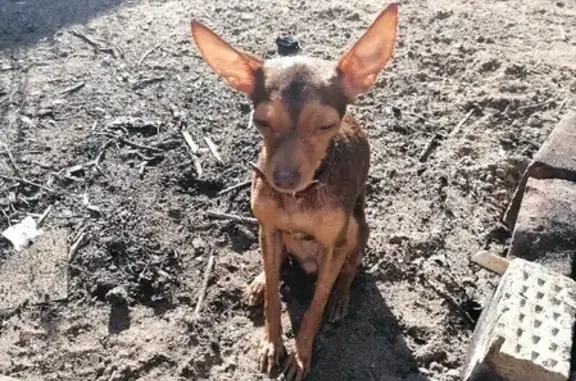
<point>308,187</point>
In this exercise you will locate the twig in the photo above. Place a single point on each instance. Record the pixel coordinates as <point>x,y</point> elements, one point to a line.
<point>103,149</point>
<point>193,150</point>
<point>131,143</point>
<point>448,298</point>
<point>44,216</point>
<point>72,89</point>
<point>86,39</point>
<point>213,149</point>
<point>24,181</point>
<point>141,146</point>
<point>42,165</point>
<point>6,217</point>
<point>232,217</point>
<point>188,139</point>
<point>461,123</point>
<point>79,167</point>
<point>93,43</point>
<point>76,245</point>
<point>197,165</point>
<point>234,187</point>
<point>8,97</point>
<point>537,104</point>
<point>11,159</point>
<point>562,34</point>
<point>202,294</point>
<point>427,151</point>
<point>561,105</point>
<point>148,53</point>
<point>141,168</point>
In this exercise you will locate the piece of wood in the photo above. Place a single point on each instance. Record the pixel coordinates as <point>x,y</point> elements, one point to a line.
<point>202,294</point>
<point>232,217</point>
<point>243,184</point>
<point>491,262</point>
<point>213,149</point>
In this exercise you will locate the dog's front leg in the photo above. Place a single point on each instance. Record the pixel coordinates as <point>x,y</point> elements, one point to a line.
<point>331,263</point>
<point>272,350</point>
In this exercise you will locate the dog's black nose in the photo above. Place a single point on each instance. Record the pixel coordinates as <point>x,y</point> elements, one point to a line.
<point>286,179</point>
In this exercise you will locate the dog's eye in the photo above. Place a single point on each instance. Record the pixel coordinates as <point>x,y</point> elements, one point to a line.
<point>326,128</point>
<point>261,123</point>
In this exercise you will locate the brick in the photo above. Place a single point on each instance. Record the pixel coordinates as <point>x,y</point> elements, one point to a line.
<point>554,160</point>
<point>525,332</point>
<point>545,230</point>
<point>36,273</point>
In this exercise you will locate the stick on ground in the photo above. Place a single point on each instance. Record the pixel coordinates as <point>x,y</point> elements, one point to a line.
<point>213,149</point>
<point>147,54</point>
<point>243,184</point>
<point>461,123</point>
<point>82,237</point>
<point>72,89</point>
<point>11,159</point>
<point>202,294</point>
<point>427,151</point>
<point>24,181</point>
<point>190,142</point>
<point>44,216</point>
<point>232,217</point>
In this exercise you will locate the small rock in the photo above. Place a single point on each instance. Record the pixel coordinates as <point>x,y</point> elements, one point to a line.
<point>398,239</point>
<point>453,373</point>
<point>199,245</point>
<point>117,295</point>
<point>287,45</point>
<point>44,112</point>
<point>535,121</point>
<point>436,367</point>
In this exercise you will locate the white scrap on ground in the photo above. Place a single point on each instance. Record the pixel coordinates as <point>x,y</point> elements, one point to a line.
<point>22,234</point>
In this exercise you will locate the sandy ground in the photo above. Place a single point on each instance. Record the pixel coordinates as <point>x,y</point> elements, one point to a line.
<point>81,77</point>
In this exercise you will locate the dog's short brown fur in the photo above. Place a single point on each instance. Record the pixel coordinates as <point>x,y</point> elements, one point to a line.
<point>309,183</point>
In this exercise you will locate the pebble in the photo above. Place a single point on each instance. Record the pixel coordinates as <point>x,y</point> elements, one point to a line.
<point>117,295</point>
<point>287,45</point>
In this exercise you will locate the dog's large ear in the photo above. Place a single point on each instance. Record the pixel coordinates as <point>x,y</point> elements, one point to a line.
<point>236,67</point>
<point>359,66</point>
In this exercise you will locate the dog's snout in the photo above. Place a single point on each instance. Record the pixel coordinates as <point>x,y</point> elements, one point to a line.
<point>286,179</point>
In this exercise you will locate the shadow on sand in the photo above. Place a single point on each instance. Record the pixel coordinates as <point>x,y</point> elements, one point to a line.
<point>368,345</point>
<point>24,22</point>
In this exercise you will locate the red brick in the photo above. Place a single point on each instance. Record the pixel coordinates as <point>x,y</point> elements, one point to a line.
<point>556,159</point>
<point>545,230</point>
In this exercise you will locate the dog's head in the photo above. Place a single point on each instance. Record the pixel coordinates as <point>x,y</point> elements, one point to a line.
<point>299,102</point>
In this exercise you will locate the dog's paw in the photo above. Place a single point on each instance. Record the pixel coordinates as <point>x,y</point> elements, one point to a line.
<point>297,365</point>
<point>255,291</point>
<point>271,354</point>
<point>337,307</point>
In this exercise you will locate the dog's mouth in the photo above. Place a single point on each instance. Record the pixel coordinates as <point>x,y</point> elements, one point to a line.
<point>292,192</point>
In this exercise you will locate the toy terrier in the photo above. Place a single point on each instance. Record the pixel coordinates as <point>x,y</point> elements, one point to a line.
<point>308,186</point>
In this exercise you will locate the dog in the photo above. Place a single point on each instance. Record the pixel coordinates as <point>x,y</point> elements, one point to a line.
<point>308,186</point>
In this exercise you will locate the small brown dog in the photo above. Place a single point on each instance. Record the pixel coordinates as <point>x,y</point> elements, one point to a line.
<point>308,187</point>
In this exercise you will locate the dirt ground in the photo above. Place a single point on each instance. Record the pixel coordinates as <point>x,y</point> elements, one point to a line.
<point>116,80</point>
